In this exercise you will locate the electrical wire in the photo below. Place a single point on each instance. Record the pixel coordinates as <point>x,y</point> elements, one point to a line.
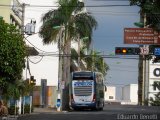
<point>122,5</point>
<point>36,6</point>
<point>103,12</point>
<point>38,48</point>
<point>120,70</point>
<point>115,84</point>
<point>124,65</point>
<point>110,0</point>
<point>37,61</point>
<point>103,56</point>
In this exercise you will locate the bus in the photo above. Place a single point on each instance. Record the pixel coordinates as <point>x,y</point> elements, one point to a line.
<point>87,90</point>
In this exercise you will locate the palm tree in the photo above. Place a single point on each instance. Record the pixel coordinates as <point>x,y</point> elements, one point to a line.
<point>74,24</point>
<point>93,61</point>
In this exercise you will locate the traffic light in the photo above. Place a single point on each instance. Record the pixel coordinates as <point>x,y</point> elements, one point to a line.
<point>32,80</point>
<point>127,51</point>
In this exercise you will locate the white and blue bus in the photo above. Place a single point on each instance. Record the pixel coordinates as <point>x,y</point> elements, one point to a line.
<point>87,90</point>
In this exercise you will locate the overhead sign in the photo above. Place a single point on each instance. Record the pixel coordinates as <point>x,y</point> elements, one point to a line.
<point>141,36</point>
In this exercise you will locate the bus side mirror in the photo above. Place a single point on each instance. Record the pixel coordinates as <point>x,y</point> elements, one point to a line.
<point>105,88</point>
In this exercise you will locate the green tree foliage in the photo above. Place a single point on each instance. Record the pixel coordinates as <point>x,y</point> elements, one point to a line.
<point>69,15</point>
<point>12,54</point>
<point>151,9</point>
<point>156,100</point>
<point>93,61</point>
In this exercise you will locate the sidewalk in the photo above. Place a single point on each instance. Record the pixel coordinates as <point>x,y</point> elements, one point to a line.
<point>9,117</point>
<point>44,110</point>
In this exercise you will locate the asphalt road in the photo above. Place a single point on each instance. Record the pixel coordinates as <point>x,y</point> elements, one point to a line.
<point>110,112</point>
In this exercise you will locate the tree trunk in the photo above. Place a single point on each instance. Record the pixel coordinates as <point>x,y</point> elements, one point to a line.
<point>66,76</point>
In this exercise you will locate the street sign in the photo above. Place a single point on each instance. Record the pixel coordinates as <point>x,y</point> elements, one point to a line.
<point>157,51</point>
<point>58,102</point>
<point>144,50</point>
<point>141,36</point>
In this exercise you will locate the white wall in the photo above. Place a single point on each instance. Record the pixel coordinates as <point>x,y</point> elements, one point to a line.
<point>126,93</point>
<point>130,94</point>
<point>134,93</point>
<point>111,92</point>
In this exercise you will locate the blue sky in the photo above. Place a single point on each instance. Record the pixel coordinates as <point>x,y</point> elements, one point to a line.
<point>109,34</point>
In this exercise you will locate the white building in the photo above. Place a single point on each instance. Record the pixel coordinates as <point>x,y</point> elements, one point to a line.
<point>110,94</point>
<point>130,94</point>
<point>41,67</point>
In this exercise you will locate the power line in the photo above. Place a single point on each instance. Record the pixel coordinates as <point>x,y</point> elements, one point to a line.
<point>110,0</point>
<point>115,84</point>
<point>124,65</point>
<point>99,11</point>
<point>46,6</point>
<point>103,56</point>
<point>115,13</point>
<point>37,47</point>
<point>122,70</point>
<point>37,61</point>
<point>69,6</point>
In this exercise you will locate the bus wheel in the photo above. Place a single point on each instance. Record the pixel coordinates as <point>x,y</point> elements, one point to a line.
<point>101,108</point>
<point>97,107</point>
<point>76,109</point>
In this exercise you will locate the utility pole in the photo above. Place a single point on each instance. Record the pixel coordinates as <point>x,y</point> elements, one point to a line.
<point>143,79</point>
<point>23,5</point>
<point>23,16</point>
<point>59,97</point>
<point>22,31</point>
<point>145,72</point>
<point>144,67</point>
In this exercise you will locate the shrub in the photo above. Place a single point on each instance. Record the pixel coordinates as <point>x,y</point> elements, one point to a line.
<point>11,110</point>
<point>26,109</point>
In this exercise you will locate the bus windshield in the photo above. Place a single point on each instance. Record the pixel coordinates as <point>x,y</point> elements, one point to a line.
<point>83,76</point>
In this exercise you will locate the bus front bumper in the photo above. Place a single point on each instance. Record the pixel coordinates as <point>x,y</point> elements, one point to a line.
<point>83,105</point>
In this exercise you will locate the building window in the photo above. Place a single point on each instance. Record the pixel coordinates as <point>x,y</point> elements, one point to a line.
<point>110,97</point>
